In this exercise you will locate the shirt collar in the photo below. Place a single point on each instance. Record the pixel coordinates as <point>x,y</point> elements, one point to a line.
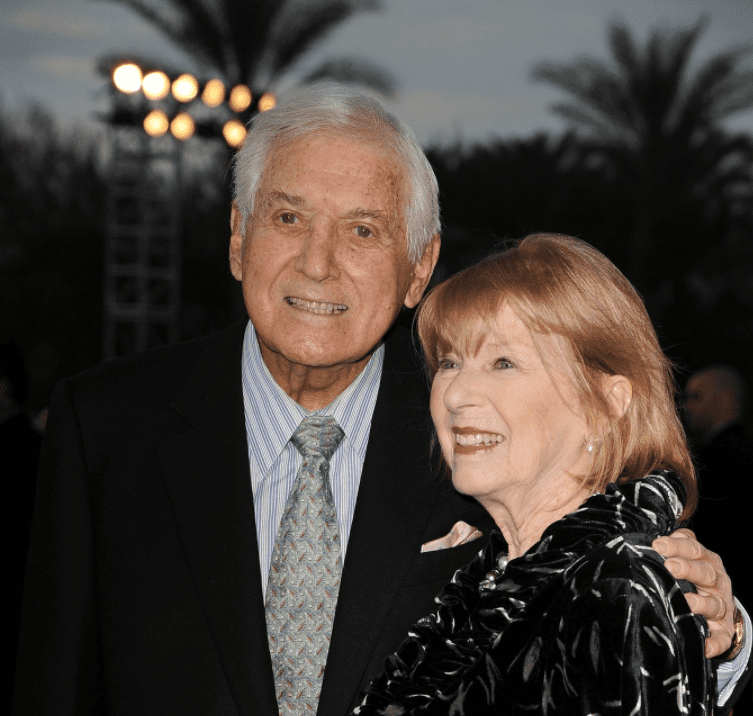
<point>272,416</point>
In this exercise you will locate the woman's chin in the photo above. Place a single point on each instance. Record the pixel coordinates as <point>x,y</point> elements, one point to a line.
<point>468,483</point>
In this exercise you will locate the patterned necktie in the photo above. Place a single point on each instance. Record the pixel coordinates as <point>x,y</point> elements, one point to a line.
<point>304,575</point>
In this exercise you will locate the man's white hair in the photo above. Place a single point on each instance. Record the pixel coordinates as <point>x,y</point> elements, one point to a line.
<point>342,111</point>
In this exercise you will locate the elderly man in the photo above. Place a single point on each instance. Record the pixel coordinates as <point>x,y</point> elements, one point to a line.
<point>217,521</point>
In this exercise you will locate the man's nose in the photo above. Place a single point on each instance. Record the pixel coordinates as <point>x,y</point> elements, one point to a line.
<point>317,259</point>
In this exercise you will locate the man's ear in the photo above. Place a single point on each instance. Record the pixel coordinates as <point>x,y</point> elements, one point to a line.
<point>236,242</point>
<point>422,272</point>
<point>619,393</point>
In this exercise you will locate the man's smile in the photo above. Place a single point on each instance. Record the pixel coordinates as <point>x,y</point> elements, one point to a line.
<point>318,307</point>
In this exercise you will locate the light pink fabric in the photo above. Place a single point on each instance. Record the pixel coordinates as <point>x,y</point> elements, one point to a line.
<point>461,533</point>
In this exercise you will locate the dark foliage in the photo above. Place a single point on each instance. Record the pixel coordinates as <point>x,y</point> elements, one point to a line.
<point>51,248</point>
<point>673,209</point>
<point>686,183</point>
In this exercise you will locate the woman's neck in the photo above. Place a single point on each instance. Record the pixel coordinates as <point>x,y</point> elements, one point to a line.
<point>523,518</point>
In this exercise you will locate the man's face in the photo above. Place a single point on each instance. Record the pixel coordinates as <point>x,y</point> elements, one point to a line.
<point>323,261</point>
<point>700,397</point>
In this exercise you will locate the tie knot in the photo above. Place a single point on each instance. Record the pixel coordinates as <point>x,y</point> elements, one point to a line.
<point>318,435</point>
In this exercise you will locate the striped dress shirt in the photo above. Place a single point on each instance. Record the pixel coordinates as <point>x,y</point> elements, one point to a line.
<point>271,419</point>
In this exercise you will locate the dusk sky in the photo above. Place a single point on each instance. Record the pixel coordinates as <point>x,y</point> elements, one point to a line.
<point>463,66</point>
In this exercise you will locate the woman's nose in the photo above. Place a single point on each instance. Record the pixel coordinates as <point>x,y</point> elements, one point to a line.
<point>464,391</point>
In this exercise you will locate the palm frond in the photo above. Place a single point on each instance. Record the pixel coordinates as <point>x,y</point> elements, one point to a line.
<point>304,25</point>
<point>188,24</point>
<point>720,87</point>
<point>578,116</point>
<point>351,70</point>
<point>648,91</point>
<point>248,28</point>
<point>256,41</point>
<point>168,23</point>
<point>624,50</point>
<point>666,77</point>
<point>203,34</point>
<point>594,86</point>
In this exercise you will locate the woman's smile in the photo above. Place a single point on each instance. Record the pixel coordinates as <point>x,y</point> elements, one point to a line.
<point>471,440</point>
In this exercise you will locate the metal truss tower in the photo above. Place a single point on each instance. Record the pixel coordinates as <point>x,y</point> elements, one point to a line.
<point>142,250</point>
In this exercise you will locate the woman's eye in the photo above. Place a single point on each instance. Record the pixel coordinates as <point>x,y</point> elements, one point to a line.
<point>446,364</point>
<point>502,364</point>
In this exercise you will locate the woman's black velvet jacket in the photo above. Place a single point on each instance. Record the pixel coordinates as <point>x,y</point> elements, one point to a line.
<point>588,621</point>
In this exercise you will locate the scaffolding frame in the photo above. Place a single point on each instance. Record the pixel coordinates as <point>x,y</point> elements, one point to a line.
<point>142,246</point>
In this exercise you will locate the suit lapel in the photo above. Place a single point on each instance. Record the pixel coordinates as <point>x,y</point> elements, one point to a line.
<point>206,471</point>
<point>392,511</point>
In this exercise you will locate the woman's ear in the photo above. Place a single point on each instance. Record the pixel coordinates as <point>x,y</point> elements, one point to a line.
<point>619,393</point>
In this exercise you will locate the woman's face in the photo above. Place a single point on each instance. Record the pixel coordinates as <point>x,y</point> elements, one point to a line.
<point>508,427</point>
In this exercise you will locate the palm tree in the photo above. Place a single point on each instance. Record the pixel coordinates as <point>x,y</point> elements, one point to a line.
<point>257,42</point>
<point>242,42</point>
<point>658,127</point>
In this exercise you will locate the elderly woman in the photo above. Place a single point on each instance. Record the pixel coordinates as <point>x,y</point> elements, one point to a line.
<point>553,406</point>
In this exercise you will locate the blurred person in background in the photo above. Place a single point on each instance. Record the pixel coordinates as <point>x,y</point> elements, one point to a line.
<point>20,445</point>
<point>715,403</point>
<point>715,414</point>
<point>20,442</point>
<point>715,400</point>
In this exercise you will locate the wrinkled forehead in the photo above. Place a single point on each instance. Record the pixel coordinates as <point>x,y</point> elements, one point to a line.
<point>323,159</point>
<point>383,144</point>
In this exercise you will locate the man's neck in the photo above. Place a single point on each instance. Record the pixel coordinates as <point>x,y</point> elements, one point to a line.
<point>312,387</point>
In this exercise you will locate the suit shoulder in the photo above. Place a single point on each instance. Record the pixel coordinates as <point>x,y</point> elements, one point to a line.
<point>403,360</point>
<point>153,371</point>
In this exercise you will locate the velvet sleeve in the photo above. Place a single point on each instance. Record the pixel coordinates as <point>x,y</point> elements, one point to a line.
<point>628,646</point>
<point>616,640</point>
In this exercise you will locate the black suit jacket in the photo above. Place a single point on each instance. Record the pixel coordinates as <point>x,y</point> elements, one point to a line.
<point>724,470</point>
<point>143,591</point>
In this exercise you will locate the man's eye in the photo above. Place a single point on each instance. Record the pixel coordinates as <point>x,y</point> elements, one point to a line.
<point>364,232</point>
<point>502,364</point>
<point>288,218</point>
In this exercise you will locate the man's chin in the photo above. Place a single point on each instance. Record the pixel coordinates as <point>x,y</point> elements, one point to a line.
<point>320,355</point>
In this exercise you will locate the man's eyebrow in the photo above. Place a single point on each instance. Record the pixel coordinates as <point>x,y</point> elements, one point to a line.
<point>373,214</point>
<point>276,196</point>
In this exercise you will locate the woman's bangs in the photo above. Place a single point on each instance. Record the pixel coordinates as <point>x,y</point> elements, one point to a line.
<point>458,315</point>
